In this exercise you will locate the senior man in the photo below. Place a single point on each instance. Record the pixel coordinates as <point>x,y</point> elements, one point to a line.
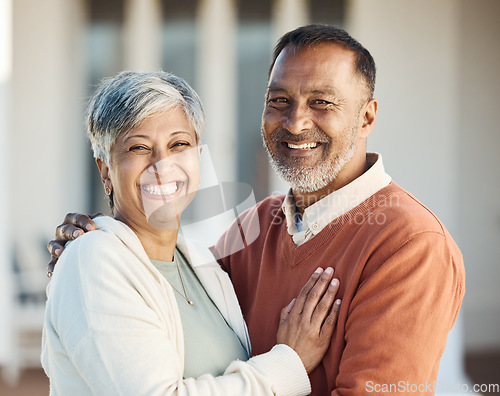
<point>401,274</point>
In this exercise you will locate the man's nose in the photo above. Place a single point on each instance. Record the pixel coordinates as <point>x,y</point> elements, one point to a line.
<point>298,119</point>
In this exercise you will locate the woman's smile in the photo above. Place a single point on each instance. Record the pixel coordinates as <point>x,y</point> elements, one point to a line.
<point>164,191</point>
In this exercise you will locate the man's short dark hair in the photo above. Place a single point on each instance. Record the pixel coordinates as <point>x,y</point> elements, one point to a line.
<point>311,35</point>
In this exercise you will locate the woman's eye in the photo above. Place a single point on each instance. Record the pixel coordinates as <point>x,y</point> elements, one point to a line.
<point>180,144</point>
<point>138,148</point>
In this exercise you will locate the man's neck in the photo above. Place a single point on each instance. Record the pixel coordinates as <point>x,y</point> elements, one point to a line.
<point>350,172</point>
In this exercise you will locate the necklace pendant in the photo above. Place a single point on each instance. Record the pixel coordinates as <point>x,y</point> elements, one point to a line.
<point>190,302</point>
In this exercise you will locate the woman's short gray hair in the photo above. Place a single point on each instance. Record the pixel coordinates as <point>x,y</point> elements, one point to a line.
<point>121,103</point>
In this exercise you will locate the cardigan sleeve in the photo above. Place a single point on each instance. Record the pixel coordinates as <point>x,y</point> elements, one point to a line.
<point>399,319</point>
<point>112,327</point>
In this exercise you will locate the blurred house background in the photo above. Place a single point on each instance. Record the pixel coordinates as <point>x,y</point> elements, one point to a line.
<point>438,130</point>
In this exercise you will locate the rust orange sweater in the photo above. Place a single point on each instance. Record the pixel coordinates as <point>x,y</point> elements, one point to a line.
<point>402,283</point>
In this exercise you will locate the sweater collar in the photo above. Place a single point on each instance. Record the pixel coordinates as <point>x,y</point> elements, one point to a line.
<point>317,216</point>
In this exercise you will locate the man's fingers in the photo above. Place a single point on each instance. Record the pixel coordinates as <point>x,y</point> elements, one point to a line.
<point>73,222</point>
<point>68,232</point>
<point>73,226</point>
<point>50,267</point>
<point>55,248</point>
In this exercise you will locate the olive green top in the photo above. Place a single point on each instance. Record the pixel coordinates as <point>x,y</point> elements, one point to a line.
<point>209,343</point>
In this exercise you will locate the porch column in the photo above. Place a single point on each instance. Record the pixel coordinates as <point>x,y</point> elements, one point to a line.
<point>216,81</point>
<point>142,35</point>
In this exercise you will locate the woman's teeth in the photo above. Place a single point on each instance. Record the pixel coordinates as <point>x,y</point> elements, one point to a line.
<point>163,189</point>
<point>304,146</point>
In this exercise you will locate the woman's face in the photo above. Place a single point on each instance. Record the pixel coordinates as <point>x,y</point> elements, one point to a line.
<point>154,171</point>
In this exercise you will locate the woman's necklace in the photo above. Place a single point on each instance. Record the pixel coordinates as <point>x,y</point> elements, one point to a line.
<point>185,296</point>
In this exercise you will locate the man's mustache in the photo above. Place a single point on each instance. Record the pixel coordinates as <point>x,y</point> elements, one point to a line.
<point>312,135</point>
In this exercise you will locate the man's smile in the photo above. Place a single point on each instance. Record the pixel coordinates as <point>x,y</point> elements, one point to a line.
<point>299,149</point>
<point>302,146</point>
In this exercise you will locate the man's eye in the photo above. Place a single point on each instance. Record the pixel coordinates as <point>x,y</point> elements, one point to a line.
<point>322,104</point>
<point>278,102</point>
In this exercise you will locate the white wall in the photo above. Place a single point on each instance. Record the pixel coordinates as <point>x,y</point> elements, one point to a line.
<point>479,182</point>
<point>438,91</point>
<point>416,48</point>
<point>43,148</point>
<point>5,239</point>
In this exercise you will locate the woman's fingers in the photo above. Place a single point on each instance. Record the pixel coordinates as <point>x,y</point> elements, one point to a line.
<point>321,309</point>
<point>314,296</point>
<point>308,323</point>
<point>285,312</point>
<point>301,298</point>
<point>330,321</point>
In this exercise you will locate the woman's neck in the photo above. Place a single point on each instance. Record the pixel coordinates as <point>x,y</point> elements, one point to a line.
<point>159,244</point>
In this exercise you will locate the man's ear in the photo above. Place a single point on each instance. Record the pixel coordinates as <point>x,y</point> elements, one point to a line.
<point>368,116</point>
<point>104,171</point>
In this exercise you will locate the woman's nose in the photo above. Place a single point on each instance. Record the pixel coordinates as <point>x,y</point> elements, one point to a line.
<point>161,164</point>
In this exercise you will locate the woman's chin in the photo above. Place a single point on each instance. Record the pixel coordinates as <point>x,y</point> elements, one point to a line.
<point>164,217</point>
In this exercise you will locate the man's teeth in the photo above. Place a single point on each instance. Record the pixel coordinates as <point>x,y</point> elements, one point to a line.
<point>164,189</point>
<point>304,146</point>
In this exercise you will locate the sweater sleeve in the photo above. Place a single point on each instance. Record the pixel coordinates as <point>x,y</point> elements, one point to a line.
<point>399,319</point>
<point>106,318</point>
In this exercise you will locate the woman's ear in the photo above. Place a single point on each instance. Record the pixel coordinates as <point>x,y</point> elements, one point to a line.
<point>104,171</point>
<point>369,116</point>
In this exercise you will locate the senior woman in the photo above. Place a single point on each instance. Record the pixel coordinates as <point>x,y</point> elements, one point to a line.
<point>131,310</point>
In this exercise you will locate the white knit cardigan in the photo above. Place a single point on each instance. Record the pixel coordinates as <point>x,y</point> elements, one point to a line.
<point>112,326</point>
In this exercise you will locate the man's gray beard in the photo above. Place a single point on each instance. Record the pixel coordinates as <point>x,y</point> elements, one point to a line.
<point>310,179</point>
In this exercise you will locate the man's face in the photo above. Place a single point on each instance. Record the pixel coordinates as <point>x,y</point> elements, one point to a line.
<point>311,119</point>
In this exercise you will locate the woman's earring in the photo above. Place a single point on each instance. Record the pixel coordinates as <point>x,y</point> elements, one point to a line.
<point>107,191</point>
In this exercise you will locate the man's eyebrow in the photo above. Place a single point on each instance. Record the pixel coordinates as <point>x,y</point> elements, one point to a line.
<point>275,88</point>
<point>326,91</point>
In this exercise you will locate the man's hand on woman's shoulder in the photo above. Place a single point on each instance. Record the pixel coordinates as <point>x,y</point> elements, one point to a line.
<point>73,226</point>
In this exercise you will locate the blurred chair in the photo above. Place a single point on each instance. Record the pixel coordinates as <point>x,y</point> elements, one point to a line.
<point>26,322</point>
